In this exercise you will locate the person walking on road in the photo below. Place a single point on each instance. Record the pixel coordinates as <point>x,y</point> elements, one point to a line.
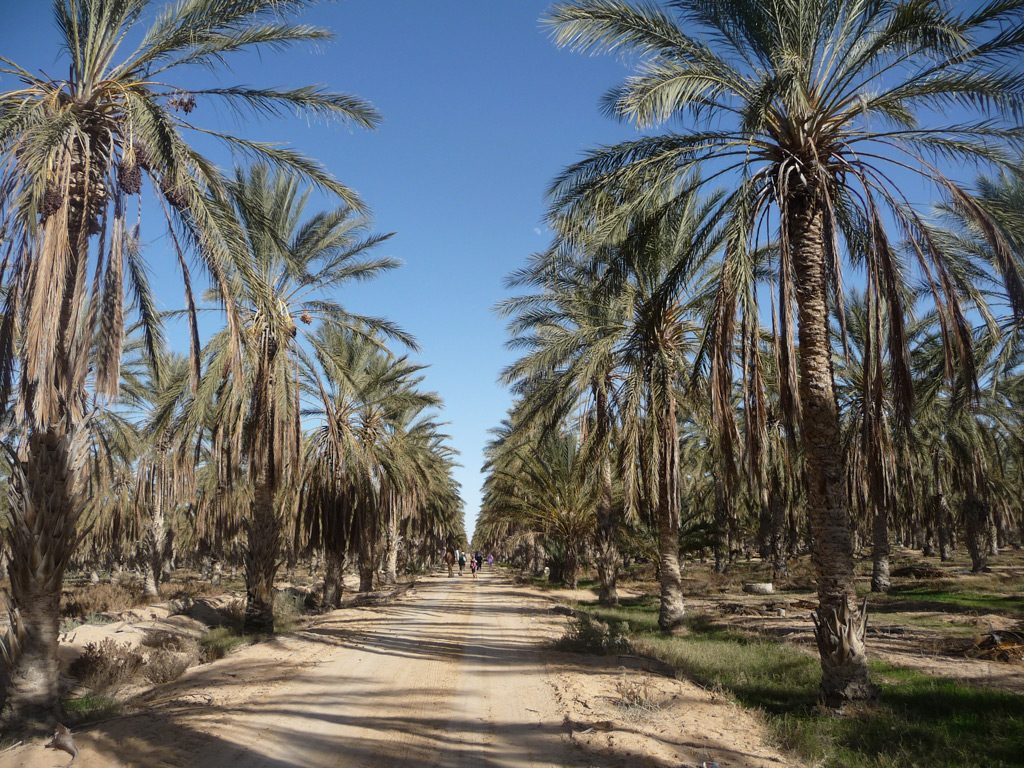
<point>462,562</point>
<point>473,567</point>
<point>449,559</point>
<point>478,557</point>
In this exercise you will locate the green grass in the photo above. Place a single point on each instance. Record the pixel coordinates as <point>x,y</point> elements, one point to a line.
<point>919,720</point>
<point>951,599</point>
<point>90,707</point>
<point>220,641</point>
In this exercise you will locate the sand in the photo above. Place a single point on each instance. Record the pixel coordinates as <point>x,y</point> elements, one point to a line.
<point>459,672</point>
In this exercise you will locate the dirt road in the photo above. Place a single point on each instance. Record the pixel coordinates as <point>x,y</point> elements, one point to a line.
<point>456,674</point>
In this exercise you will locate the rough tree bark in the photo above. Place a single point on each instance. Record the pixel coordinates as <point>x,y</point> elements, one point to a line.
<point>156,535</point>
<point>672,611</point>
<point>45,503</point>
<point>976,517</point>
<point>880,581</point>
<point>367,562</point>
<point>391,544</point>
<point>839,626</point>
<point>608,559</point>
<point>776,540</point>
<point>261,558</point>
<point>721,515</point>
<point>334,585</point>
<point>263,528</point>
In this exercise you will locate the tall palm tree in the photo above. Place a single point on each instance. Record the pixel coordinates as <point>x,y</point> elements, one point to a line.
<point>295,261</point>
<point>371,456</point>
<point>76,152</point>
<point>809,109</point>
<point>656,354</point>
<point>568,332</point>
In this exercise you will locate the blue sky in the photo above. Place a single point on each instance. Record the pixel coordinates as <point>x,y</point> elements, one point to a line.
<point>480,112</point>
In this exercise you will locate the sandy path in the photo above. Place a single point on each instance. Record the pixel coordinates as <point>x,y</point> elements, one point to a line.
<point>455,675</point>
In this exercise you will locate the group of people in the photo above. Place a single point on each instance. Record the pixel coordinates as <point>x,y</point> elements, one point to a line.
<point>476,561</point>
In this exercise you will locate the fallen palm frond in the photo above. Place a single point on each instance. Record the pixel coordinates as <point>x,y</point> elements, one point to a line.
<point>1005,646</point>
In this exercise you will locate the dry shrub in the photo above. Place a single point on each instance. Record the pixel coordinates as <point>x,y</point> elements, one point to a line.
<point>92,599</point>
<point>234,613</point>
<point>169,641</point>
<point>163,666</point>
<point>636,697</point>
<point>589,635</point>
<point>107,666</point>
<point>190,589</point>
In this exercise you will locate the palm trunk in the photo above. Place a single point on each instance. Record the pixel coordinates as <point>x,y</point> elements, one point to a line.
<point>367,561</point>
<point>334,584</point>
<point>391,544</point>
<point>976,517</point>
<point>608,559</point>
<point>570,570</point>
<point>41,539</point>
<point>777,531</point>
<point>672,610</point>
<point>721,516</point>
<point>942,515</point>
<point>880,581</point>
<point>261,559</point>
<point>839,624</point>
<point>537,559</point>
<point>156,539</point>
<point>264,530</point>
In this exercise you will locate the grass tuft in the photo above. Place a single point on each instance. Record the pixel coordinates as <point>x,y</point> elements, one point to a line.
<point>89,708</point>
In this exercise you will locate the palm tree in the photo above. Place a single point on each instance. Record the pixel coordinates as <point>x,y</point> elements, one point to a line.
<point>569,331</point>
<point>372,457</point>
<point>809,109</point>
<point>656,354</point>
<point>165,466</point>
<point>76,152</point>
<point>541,483</point>
<point>294,261</point>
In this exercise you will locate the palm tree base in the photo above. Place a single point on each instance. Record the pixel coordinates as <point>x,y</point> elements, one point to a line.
<point>839,632</point>
<point>32,703</point>
<point>259,616</point>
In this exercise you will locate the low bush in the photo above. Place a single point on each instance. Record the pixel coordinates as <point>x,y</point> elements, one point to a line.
<point>218,643</point>
<point>636,696</point>
<point>89,708</point>
<point>107,666</point>
<point>163,666</point>
<point>589,635</point>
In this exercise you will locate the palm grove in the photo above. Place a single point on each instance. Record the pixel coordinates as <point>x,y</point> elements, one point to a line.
<point>750,330</point>
<point>294,430</point>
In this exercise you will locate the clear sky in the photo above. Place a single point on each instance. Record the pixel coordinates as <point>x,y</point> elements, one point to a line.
<point>480,112</point>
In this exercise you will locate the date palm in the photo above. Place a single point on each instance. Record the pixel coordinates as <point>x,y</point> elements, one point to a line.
<point>540,482</point>
<point>656,354</point>
<point>76,153</point>
<point>369,459</point>
<point>810,110</point>
<point>296,260</point>
<point>568,332</point>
